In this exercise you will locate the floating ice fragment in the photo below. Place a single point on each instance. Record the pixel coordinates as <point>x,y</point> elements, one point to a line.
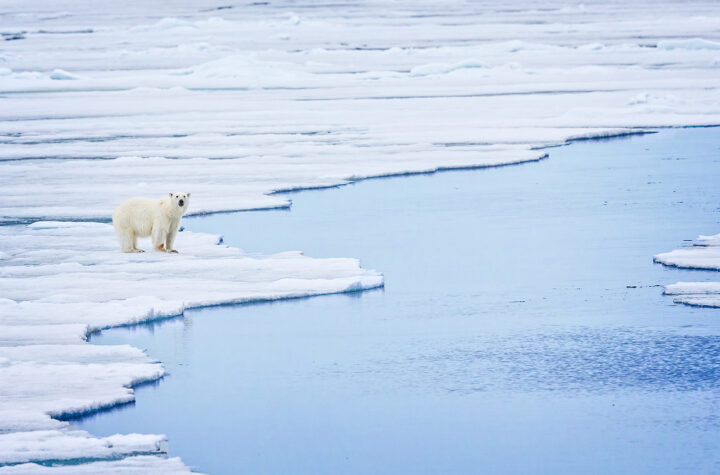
<point>703,254</point>
<point>699,294</point>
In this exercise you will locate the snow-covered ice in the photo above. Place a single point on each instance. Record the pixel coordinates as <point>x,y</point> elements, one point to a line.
<point>702,294</point>
<point>704,253</point>
<point>233,104</point>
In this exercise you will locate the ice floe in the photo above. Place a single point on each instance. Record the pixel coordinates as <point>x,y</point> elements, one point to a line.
<point>704,253</point>
<point>701,294</point>
<point>234,104</point>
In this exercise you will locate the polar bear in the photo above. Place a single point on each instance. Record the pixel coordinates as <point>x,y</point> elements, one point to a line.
<point>143,217</point>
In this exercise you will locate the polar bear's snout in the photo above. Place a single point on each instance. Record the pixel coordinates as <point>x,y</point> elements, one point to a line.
<point>181,202</point>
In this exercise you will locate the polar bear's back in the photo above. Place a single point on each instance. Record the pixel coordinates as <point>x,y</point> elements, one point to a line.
<point>137,214</point>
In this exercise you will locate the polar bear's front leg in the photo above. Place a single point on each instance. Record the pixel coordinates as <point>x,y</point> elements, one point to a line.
<point>171,239</point>
<point>158,237</point>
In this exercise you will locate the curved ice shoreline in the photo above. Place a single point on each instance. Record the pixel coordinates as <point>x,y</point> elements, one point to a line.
<point>199,103</point>
<point>62,280</point>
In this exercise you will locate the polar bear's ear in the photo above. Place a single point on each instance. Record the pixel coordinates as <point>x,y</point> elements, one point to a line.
<point>187,194</point>
<point>170,195</point>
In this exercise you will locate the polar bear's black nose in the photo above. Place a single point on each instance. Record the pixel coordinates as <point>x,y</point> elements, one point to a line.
<point>181,203</point>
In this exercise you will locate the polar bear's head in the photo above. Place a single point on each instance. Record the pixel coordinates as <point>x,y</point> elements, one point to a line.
<point>180,200</point>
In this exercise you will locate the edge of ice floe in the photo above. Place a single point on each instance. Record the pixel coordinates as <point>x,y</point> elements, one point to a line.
<point>370,282</point>
<point>355,287</point>
<point>358,178</point>
<point>71,414</point>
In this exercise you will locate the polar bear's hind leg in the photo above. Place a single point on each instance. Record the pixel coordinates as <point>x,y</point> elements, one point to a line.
<point>127,240</point>
<point>134,244</point>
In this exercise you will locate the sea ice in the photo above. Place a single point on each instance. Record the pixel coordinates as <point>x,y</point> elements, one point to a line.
<point>234,104</point>
<point>704,253</point>
<point>701,294</point>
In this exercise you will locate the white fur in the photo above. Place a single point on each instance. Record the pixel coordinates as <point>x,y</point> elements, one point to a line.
<point>143,217</point>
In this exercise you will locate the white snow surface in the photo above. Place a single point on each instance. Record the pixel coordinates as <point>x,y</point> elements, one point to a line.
<point>704,253</point>
<point>143,97</point>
